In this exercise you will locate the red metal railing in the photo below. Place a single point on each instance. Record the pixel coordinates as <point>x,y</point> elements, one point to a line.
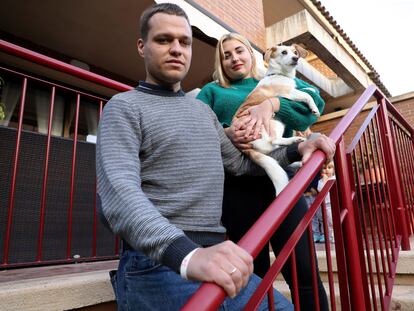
<point>9,232</point>
<point>60,66</point>
<point>380,188</point>
<point>373,212</point>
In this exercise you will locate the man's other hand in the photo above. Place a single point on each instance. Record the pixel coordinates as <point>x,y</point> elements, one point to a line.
<point>322,142</point>
<point>225,264</point>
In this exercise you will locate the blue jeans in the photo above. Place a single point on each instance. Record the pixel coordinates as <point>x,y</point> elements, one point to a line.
<point>317,224</point>
<point>143,284</point>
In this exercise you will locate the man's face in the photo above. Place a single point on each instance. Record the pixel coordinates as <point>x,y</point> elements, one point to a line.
<point>167,50</point>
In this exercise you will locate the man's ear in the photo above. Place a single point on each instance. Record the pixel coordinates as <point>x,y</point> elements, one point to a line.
<point>140,47</point>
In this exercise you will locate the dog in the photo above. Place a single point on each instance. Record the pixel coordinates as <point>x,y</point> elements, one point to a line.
<point>278,81</point>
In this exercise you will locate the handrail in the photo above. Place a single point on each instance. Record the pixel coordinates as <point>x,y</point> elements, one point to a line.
<point>44,60</point>
<point>210,296</point>
<point>346,121</point>
<point>276,267</point>
<point>363,127</point>
<point>398,116</point>
<point>53,84</point>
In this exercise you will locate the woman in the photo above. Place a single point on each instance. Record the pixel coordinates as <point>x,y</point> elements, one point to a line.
<point>246,197</point>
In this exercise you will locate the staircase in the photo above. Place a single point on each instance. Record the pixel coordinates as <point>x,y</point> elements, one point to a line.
<point>403,290</point>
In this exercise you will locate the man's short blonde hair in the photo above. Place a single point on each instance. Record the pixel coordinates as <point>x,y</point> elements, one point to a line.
<point>219,73</point>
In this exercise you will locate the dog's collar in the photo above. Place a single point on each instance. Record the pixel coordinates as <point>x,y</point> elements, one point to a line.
<point>276,74</point>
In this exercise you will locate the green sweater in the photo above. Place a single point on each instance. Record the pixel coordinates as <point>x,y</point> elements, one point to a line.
<point>226,101</point>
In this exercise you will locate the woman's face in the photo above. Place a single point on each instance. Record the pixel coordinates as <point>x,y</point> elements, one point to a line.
<point>237,61</point>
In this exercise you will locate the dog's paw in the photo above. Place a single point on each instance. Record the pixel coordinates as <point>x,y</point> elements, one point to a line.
<point>299,139</point>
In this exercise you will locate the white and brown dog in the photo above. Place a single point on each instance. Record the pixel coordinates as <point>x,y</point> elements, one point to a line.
<point>278,81</point>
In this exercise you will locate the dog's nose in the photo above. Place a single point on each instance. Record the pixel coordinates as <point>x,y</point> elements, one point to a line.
<point>295,59</point>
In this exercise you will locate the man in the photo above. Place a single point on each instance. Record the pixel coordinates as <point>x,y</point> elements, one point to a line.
<point>160,169</point>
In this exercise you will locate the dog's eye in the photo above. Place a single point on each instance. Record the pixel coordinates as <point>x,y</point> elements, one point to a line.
<point>284,52</point>
<point>296,52</point>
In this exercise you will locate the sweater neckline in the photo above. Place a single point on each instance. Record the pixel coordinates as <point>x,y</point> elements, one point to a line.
<point>158,89</point>
<point>246,81</point>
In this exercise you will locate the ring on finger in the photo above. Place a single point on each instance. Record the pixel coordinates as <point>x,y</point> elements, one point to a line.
<point>232,271</point>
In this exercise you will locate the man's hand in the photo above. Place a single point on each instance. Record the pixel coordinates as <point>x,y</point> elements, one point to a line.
<point>238,138</point>
<point>225,264</point>
<point>322,143</point>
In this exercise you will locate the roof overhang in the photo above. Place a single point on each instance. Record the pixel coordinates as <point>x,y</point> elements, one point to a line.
<point>303,28</point>
<point>101,38</point>
<point>309,23</point>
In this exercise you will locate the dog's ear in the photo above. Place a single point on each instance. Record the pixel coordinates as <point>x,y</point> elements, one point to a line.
<point>268,54</point>
<point>302,52</point>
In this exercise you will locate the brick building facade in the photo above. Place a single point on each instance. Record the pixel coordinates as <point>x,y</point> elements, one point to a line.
<point>249,19</point>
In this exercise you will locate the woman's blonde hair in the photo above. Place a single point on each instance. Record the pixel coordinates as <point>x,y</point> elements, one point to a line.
<point>219,73</point>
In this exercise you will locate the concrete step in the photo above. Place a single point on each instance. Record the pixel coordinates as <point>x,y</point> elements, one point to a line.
<point>63,287</point>
<point>404,273</point>
<point>66,287</point>
<point>403,290</point>
<point>402,295</point>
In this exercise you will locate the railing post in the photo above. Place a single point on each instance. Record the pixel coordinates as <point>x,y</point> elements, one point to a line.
<point>356,289</point>
<point>358,231</point>
<point>393,174</point>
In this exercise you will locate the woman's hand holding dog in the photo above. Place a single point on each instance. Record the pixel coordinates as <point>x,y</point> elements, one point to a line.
<point>258,116</point>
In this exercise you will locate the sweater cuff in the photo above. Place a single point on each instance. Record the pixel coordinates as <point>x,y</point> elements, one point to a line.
<point>293,154</point>
<point>284,112</point>
<point>176,251</point>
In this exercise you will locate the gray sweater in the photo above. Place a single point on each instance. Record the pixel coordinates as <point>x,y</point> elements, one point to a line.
<point>160,161</point>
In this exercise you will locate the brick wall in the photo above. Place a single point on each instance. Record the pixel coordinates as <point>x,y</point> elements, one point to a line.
<point>244,16</point>
<point>405,107</point>
<point>327,126</point>
<point>323,68</point>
